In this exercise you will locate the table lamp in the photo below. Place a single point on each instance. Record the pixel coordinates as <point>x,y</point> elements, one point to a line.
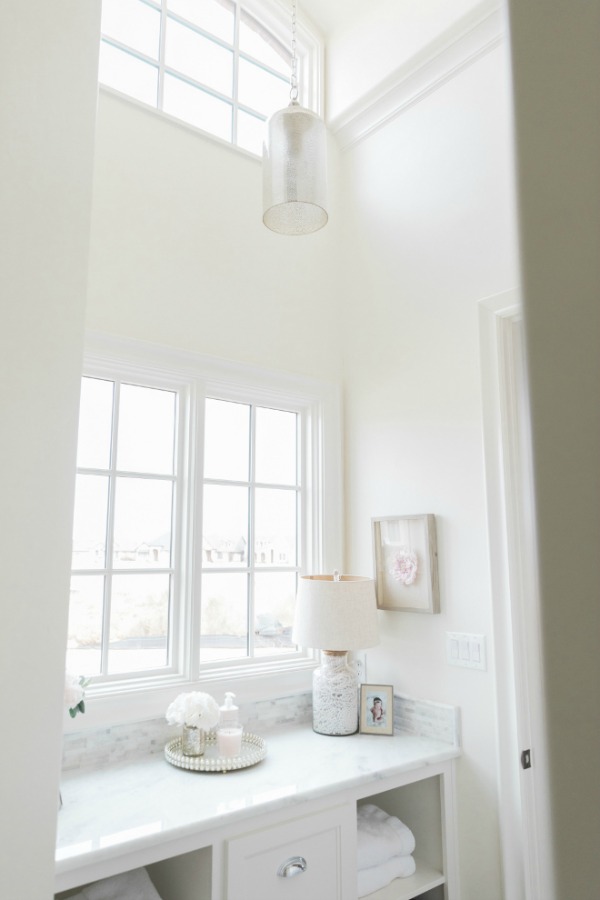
<point>335,613</point>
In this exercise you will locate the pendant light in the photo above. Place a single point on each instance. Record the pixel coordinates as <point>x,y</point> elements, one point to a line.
<point>294,164</point>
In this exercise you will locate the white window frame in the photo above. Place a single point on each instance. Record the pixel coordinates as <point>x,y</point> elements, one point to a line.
<point>195,376</point>
<point>309,53</point>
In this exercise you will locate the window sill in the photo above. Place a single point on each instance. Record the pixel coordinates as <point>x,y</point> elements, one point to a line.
<point>105,709</point>
<point>160,115</point>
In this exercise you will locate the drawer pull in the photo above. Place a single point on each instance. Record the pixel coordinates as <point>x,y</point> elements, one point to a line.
<point>295,865</point>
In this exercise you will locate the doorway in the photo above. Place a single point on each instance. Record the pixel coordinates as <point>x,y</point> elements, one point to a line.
<point>513,565</point>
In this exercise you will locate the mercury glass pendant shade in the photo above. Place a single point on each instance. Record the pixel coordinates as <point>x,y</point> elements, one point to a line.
<point>295,171</point>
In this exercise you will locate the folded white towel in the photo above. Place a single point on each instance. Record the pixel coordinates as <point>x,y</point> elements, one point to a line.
<point>134,885</point>
<point>380,836</point>
<point>377,877</point>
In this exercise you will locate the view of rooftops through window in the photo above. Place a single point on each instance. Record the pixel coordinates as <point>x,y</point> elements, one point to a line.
<point>209,63</point>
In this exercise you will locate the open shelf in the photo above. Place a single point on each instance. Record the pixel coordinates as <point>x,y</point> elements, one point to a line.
<point>424,879</point>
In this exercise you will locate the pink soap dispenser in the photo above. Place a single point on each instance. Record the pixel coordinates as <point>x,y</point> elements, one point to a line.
<point>229,729</point>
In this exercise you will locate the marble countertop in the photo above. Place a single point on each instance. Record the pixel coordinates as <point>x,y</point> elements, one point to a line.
<point>118,810</point>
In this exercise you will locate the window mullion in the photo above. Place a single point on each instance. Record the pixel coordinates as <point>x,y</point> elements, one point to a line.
<point>161,54</point>
<point>236,69</point>
<point>131,51</point>
<point>108,562</point>
<point>195,521</point>
<point>251,532</point>
<point>308,462</point>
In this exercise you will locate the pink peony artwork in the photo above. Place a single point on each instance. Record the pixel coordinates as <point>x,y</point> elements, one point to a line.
<point>405,566</point>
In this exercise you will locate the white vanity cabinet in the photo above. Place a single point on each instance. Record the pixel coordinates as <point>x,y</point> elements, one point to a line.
<point>215,836</point>
<point>320,849</point>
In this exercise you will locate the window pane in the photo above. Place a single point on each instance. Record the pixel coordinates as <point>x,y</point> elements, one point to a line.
<point>227,440</point>
<point>85,625</point>
<point>89,525</point>
<point>274,601</point>
<point>126,73</point>
<point>192,105</point>
<point>250,132</point>
<point>275,527</point>
<point>142,536</point>
<point>95,423</point>
<point>257,41</point>
<point>275,446</point>
<point>215,16</point>
<point>139,622</point>
<point>132,23</point>
<point>146,440</point>
<point>198,58</point>
<point>224,616</point>
<point>225,526</point>
<point>260,90</point>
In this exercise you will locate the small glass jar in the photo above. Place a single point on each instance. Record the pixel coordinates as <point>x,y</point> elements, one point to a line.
<point>229,740</point>
<point>193,741</point>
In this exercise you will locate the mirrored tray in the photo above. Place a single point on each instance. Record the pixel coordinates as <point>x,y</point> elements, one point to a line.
<point>253,750</point>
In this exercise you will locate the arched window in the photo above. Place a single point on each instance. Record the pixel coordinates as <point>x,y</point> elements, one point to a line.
<point>220,65</point>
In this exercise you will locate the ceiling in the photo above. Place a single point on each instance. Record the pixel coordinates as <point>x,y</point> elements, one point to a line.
<point>332,15</point>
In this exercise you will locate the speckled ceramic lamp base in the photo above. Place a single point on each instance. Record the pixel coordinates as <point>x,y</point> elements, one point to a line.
<point>335,695</point>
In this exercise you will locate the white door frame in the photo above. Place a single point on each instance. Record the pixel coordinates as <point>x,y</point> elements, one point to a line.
<point>523,800</point>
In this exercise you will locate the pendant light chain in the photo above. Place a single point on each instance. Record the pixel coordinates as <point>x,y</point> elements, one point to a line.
<point>294,74</point>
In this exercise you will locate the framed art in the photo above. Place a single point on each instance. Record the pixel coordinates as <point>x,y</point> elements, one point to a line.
<point>376,709</point>
<point>405,556</point>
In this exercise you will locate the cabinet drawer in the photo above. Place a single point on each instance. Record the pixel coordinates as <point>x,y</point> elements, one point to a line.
<point>317,852</point>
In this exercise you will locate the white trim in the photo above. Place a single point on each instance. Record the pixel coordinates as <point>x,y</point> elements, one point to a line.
<point>277,16</point>
<point>459,47</point>
<point>523,812</point>
<point>492,311</point>
<point>145,108</point>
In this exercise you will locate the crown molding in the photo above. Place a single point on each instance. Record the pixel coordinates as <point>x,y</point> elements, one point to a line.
<point>456,49</point>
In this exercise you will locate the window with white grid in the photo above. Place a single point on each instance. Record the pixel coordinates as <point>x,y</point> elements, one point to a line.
<point>220,65</point>
<point>198,502</point>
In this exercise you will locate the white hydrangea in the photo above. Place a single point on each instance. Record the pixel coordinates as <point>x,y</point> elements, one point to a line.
<point>74,693</point>
<point>195,709</point>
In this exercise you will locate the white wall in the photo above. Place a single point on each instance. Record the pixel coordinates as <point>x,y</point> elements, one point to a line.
<point>179,253</point>
<point>431,231</point>
<point>557,97</point>
<point>48,61</point>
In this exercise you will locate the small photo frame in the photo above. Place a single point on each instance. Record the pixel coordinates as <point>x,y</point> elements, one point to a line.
<point>376,709</point>
<point>406,570</point>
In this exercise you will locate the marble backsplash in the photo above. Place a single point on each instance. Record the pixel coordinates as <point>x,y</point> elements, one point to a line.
<point>117,743</point>
<point>427,719</point>
<point>106,746</point>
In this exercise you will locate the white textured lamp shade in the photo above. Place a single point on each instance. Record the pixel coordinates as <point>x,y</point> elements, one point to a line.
<point>335,614</point>
<point>295,171</point>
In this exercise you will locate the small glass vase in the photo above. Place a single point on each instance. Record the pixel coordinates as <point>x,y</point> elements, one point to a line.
<point>193,740</point>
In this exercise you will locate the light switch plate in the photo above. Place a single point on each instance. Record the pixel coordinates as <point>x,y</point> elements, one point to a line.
<point>467,650</point>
